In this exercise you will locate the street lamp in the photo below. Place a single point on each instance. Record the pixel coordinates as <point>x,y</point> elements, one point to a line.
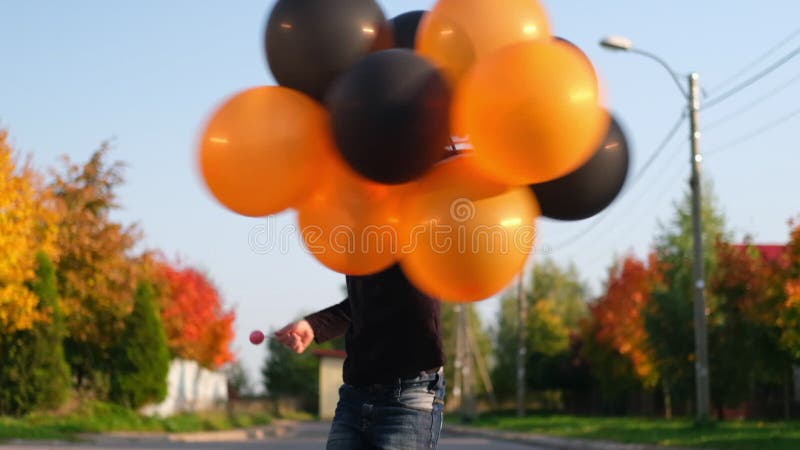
<point>692,97</point>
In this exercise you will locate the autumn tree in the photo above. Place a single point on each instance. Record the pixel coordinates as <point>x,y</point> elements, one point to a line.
<point>97,270</point>
<point>789,317</point>
<point>33,373</point>
<point>197,325</point>
<point>27,226</point>
<point>744,344</point>
<point>616,341</point>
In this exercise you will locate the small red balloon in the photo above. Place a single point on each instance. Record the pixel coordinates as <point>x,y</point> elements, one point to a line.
<point>256,337</point>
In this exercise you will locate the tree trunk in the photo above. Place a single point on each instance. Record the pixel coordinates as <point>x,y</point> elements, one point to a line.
<point>720,411</point>
<point>786,396</point>
<point>667,401</point>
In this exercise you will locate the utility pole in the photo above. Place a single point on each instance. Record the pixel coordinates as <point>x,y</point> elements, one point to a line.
<point>468,410</point>
<point>480,363</point>
<point>701,371</point>
<point>459,361</point>
<point>522,337</point>
<point>699,285</point>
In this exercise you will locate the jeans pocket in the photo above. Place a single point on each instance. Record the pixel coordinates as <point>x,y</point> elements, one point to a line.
<point>417,397</point>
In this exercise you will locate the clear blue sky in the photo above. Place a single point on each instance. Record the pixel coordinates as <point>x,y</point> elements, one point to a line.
<point>148,74</point>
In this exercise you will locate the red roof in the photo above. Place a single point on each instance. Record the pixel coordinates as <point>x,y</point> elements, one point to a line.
<point>770,252</point>
<point>325,353</point>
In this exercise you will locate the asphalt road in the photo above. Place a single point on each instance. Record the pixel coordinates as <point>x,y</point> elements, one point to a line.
<point>309,436</point>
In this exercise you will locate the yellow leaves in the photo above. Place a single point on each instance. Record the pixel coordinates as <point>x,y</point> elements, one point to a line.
<point>18,309</point>
<point>27,226</point>
<point>549,334</point>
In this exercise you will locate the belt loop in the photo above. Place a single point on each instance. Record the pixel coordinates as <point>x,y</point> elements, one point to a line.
<point>398,388</point>
<point>435,382</point>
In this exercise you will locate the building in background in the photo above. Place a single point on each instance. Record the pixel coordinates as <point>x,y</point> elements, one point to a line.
<point>190,388</point>
<point>331,363</point>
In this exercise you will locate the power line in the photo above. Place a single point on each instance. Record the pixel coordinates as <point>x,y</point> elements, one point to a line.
<point>620,233</point>
<point>758,60</point>
<point>727,94</point>
<point>659,149</point>
<point>755,133</point>
<point>673,172</point>
<point>752,104</point>
<point>663,145</point>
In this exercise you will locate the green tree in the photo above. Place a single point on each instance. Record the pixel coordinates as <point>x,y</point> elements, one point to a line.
<point>548,342</point>
<point>557,305</point>
<point>564,287</point>
<point>141,357</point>
<point>504,371</point>
<point>669,314</point>
<point>238,382</point>
<point>34,373</point>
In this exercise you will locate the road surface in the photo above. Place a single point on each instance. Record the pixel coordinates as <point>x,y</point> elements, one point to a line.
<point>305,436</point>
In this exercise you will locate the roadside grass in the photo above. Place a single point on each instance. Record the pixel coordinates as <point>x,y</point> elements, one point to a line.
<point>98,417</point>
<point>739,435</point>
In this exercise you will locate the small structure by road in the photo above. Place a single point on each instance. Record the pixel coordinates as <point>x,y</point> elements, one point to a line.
<point>330,379</point>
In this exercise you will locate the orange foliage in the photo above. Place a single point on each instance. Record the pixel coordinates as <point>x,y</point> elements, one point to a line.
<point>619,315</point>
<point>27,226</point>
<point>197,327</point>
<point>789,319</point>
<point>97,272</point>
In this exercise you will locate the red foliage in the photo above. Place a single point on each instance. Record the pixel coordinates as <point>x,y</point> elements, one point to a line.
<point>619,314</point>
<point>197,327</point>
<point>745,278</point>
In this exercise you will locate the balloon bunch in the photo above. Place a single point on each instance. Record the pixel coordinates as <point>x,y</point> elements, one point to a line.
<point>360,138</point>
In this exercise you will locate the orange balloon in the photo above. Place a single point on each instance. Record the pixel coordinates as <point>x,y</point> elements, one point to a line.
<point>262,150</point>
<point>349,224</point>
<point>532,111</point>
<point>452,175</point>
<point>467,238</point>
<point>457,33</point>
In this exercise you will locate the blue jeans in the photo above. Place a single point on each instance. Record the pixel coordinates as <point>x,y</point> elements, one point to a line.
<point>405,415</point>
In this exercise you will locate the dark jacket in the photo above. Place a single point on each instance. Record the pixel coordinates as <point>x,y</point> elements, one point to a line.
<point>392,329</point>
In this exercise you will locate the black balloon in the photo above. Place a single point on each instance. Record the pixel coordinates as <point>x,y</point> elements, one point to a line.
<point>593,186</point>
<point>311,42</point>
<point>390,116</point>
<point>405,28</point>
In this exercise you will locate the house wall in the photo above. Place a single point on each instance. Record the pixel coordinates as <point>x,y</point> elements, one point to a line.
<point>190,388</point>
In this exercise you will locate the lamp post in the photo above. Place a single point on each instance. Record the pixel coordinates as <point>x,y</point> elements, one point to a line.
<point>692,96</point>
<point>522,338</point>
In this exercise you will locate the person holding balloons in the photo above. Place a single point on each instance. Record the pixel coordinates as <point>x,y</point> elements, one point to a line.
<point>355,139</point>
<point>393,396</point>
